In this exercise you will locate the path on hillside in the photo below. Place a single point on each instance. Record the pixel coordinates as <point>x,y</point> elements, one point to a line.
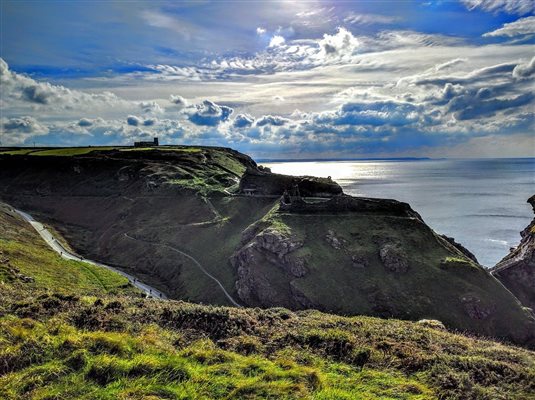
<point>197,263</point>
<point>68,255</point>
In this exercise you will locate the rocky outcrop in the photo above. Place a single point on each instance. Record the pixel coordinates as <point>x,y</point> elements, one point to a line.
<point>475,308</point>
<point>393,257</point>
<point>517,270</point>
<point>255,262</point>
<point>336,242</point>
<point>263,182</point>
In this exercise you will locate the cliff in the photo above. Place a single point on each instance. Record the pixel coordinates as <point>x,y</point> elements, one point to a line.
<point>181,219</point>
<point>517,270</point>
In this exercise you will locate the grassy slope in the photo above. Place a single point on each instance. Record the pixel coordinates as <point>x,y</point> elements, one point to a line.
<point>57,346</point>
<point>434,276</point>
<point>62,337</point>
<point>23,250</point>
<point>184,219</point>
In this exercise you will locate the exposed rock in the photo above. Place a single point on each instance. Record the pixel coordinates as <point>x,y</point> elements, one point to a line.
<point>393,257</point>
<point>271,247</point>
<point>276,242</point>
<point>297,266</point>
<point>517,270</point>
<point>252,286</point>
<point>359,261</point>
<point>336,242</point>
<point>475,308</point>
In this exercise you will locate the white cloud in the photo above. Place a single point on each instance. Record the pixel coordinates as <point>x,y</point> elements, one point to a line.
<point>179,101</point>
<point>243,121</point>
<point>14,131</point>
<point>277,41</point>
<point>378,94</point>
<point>21,89</point>
<point>521,27</point>
<point>164,21</point>
<point>341,44</point>
<point>169,72</point>
<point>369,19</point>
<point>519,7</point>
<point>274,120</point>
<point>209,113</point>
<point>151,107</point>
<point>524,71</point>
<point>260,30</point>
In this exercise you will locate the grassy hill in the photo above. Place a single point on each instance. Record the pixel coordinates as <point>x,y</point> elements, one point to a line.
<point>178,218</point>
<point>25,257</point>
<point>66,334</point>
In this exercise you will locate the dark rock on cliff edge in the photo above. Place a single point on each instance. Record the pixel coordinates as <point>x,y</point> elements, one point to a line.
<point>517,270</point>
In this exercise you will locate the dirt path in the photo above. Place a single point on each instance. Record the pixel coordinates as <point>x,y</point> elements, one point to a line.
<point>197,263</point>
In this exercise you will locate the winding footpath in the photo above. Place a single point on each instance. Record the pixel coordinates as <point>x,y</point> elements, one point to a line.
<point>197,263</point>
<point>66,254</point>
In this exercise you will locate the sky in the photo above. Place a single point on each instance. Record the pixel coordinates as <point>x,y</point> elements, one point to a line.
<point>274,79</point>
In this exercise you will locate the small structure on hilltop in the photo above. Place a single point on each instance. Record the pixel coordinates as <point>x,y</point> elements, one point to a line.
<point>154,143</point>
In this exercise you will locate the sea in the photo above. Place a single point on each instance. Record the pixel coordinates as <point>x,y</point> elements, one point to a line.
<point>479,202</point>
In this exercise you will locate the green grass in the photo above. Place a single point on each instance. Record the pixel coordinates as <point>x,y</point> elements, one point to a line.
<point>177,149</point>
<point>49,270</point>
<point>18,152</point>
<point>457,262</point>
<point>23,251</point>
<point>70,151</point>
<point>68,335</point>
<point>435,275</point>
<point>121,347</point>
<point>44,360</point>
<point>204,186</point>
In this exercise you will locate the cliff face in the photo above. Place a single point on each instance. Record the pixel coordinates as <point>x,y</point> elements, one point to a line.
<point>161,213</point>
<point>360,257</point>
<point>517,270</point>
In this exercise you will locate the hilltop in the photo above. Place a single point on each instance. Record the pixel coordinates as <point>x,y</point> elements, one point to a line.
<point>193,220</point>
